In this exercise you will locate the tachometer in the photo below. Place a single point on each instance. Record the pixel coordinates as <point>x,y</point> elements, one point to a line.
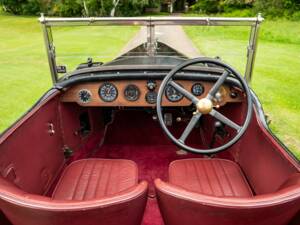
<point>132,93</point>
<point>172,94</point>
<point>108,92</point>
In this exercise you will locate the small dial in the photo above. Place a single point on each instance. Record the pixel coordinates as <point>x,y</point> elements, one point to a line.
<point>85,96</point>
<point>132,93</point>
<point>151,97</point>
<point>108,92</point>
<point>197,89</point>
<point>172,94</point>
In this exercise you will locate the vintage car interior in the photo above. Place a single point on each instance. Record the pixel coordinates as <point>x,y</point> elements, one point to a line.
<point>148,140</point>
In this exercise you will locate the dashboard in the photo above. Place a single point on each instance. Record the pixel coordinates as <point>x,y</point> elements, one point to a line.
<point>143,93</point>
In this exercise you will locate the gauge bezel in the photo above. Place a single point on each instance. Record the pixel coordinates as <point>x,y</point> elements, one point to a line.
<point>136,89</point>
<point>168,97</point>
<point>103,85</point>
<point>146,97</point>
<point>203,89</point>
<point>89,99</point>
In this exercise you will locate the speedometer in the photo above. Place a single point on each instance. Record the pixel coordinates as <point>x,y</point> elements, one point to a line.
<point>172,94</point>
<point>108,92</point>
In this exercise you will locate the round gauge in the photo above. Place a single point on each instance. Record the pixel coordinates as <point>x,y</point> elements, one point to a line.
<point>85,96</point>
<point>108,92</point>
<point>172,94</point>
<point>197,89</point>
<point>151,97</point>
<point>132,93</point>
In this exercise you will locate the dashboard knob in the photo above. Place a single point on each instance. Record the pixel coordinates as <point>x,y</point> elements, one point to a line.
<point>151,85</point>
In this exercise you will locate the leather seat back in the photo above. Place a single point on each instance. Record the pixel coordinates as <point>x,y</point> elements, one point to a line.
<point>293,180</point>
<point>21,208</point>
<point>179,206</point>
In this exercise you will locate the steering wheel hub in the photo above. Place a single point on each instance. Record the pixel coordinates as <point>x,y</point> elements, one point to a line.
<point>204,106</point>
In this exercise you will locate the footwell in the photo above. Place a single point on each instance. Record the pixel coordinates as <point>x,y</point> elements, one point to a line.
<point>153,162</point>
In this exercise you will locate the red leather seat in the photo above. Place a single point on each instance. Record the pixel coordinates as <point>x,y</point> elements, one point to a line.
<point>95,178</point>
<point>92,192</point>
<point>215,191</point>
<point>220,178</point>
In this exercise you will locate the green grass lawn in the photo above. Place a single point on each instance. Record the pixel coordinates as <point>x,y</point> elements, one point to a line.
<point>24,71</point>
<point>276,78</point>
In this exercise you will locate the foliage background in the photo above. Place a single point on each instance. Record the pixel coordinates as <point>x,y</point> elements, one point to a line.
<point>270,8</point>
<point>74,7</point>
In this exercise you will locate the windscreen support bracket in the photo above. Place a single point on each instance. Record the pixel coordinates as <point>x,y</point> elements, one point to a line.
<point>50,49</point>
<point>251,50</point>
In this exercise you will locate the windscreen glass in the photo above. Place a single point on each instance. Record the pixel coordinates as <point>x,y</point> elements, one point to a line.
<point>79,45</point>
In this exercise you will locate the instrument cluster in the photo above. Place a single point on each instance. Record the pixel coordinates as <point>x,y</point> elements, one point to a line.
<point>134,93</point>
<point>108,92</point>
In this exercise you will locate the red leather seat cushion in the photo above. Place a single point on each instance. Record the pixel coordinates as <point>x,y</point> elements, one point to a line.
<point>215,177</point>
<point>95,178</point>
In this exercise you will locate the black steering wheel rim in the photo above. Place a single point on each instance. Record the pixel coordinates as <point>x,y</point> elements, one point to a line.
<point>227,67</point>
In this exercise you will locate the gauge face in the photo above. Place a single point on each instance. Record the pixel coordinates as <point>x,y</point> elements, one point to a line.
<point>85,96</point>
<point>172,94</point>
<point>197,89</point>
<point>108,92</point>
<point>132,93</point>
<point>151,97</point>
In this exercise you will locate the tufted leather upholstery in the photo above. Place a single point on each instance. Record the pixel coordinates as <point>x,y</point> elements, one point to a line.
<point>93,192</point>
<point>95,178</point>
<point>217,177</point>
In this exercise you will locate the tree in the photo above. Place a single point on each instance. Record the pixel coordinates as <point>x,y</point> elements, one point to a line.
<point>113,10</point>
<point>277,8</point>
<point>207,6</point>
<point>13,6</point>
<point>128,7</point>
<point>76,7</point>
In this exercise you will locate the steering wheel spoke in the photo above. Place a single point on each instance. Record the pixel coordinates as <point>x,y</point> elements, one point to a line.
<point>183,91</point>
<point>225,120</point>
<point>217,85</point>
<point>190,127</point>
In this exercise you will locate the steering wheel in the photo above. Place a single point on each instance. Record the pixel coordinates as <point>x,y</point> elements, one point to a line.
<point>204,106</point>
